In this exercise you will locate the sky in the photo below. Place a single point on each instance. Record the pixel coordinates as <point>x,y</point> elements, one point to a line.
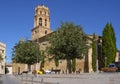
<point>17,18</point>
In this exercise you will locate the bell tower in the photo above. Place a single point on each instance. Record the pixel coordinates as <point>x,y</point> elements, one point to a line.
<point>41,22</point>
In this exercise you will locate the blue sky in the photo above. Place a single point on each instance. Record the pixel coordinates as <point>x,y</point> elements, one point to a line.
<point>16,17</point>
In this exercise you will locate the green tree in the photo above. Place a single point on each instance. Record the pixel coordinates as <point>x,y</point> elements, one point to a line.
<point>42,58</point>
<point>113,37</point>
<point>26,52</point>
<point>1,57</point>
<point>109,48</point>
<point>68,42</point>
<point>94,52</point>
<point>73,64</point>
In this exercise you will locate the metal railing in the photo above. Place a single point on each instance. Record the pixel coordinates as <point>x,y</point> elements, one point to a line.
<point>32,79</point>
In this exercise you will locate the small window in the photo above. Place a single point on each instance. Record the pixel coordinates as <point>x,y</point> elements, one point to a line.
<point>45,22</point>
<point>45,31</point>
<point>40,21</point>
<point>2,51</point>
<point>40,12</point>
<point>35,32</point>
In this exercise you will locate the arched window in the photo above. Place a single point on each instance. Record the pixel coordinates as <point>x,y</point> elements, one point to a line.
<point>40,12</point>
<point>45,31</point>
<point>40,21</point>
<point>45,22</point>
<point>45,12</point>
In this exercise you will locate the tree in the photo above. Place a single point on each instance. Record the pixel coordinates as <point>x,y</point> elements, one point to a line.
<point>68,42</point>
<point>94,52</point>
<point>73,64</point>
<point>1,57</point>
<point>26,52</point>
<point>109,48</point>
<point>113,37</point>
<point>42,59</point>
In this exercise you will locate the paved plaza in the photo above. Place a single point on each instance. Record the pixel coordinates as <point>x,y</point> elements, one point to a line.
<point>9,79</point>
<point>83,78</point>
<point>102,78</point>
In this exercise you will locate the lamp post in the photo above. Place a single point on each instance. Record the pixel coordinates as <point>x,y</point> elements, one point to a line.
<point>105,61</point>
<point>37,61</point>
<point>96,40</point>
<point>97,65</point>
<point>37,66</point>
<point>96,56</point>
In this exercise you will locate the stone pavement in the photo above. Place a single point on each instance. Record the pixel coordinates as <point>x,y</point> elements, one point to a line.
<point>1,79</point>
<point>82,78</point>
<point>90,78</point>
<point>9,79</point>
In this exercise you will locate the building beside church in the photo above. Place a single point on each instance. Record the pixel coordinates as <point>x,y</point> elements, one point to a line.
<point>9,68</point>
<point>3,56</point>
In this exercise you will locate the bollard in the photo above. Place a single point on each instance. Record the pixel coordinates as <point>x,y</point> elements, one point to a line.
<point>32,79</point>
<point>26,78</point>
<point>42,81</point>
<point>21,77</point>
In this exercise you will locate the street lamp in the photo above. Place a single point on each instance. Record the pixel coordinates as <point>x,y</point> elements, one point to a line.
<point>37,60</point>
<point>105,61</point>
<point>97,44</point>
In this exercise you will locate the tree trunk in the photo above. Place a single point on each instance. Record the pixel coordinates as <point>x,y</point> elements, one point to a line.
<point>86,66</point>
<point>29,67</point>
<point>69,66</point>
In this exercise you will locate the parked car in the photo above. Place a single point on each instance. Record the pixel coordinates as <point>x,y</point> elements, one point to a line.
<point>40,72</point>
<point>47,71</point>
<point>111,68</point>
<point>56,70</point>
<point>24,72</point>
<point>117,65</point>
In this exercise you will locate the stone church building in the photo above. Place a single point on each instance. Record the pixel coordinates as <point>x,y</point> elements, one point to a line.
<point>42,29</point>
<point>39,32</point>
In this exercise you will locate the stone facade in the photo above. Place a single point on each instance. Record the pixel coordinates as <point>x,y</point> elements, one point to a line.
<point>9,67</point>
<point>39,35</point>
<point>80,64</point>
<point>42,30</point>
<point>117,57</point>
<point>18,68</point>
<point>3,53</point>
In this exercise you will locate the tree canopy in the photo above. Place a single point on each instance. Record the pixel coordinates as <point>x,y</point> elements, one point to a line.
<point>94,52</point>
<point>68,42</point>
<point>109,48</point>
<point>26,52</point>
<point>1,57</point>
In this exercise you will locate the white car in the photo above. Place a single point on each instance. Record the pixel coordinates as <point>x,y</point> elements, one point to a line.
<point>47,71</point>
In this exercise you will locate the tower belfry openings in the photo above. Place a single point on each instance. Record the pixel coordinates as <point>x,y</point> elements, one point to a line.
<point>41,22</point>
